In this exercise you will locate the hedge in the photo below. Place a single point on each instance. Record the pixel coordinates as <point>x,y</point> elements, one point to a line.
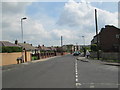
<point>8,49</point>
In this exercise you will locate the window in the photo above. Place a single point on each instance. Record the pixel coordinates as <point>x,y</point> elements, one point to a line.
<point>117,36</point>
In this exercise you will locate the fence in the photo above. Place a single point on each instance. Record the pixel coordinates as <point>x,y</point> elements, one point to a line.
<point>106,55</point>
<point>10,58</point>
<point>46,55</point>
<point>110,56</point>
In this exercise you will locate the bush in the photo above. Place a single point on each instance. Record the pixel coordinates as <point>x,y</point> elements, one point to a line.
<point>34,57</point>
<point>94,47</point>
<point>11,49</point>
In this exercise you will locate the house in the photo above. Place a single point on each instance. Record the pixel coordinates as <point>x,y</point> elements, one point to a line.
<point>27,47</point>
<point>11,52</point>
<point>43,48</point>
<point>8,44</point>
<point>108,39</point>
<point>52,48</point>
<point>71,48</point>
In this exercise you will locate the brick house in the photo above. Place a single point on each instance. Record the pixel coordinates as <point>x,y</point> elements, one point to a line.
<point>108,39</point>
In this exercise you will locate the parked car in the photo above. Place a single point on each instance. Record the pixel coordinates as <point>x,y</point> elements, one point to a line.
<point>76,53</point>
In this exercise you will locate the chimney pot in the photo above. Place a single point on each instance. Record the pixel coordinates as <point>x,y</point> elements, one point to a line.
<point>16,41</point>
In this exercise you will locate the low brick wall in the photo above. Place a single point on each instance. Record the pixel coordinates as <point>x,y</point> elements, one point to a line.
<point>106,55</point>
<point>94,54</point>
<point>110,56</point>
<point>10,58</point>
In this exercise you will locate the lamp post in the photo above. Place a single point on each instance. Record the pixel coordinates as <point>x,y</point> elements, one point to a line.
<point>84,50</point>
<point>83,40</point>
<point>22,26</point>
<point>22,37</point>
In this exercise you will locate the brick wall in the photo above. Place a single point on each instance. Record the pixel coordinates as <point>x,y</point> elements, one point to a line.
<point>10,58</point>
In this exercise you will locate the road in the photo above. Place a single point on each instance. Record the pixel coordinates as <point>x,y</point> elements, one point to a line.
<point>61,72</point>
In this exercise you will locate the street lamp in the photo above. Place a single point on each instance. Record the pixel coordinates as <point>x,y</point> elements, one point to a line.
<point>22,27</point>
<point>83,40</point>
<point>22,38</point>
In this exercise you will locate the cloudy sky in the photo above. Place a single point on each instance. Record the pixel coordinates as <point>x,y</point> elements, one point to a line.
<point>47,21</point>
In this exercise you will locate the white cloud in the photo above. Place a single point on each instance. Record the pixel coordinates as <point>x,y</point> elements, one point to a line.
<point>76,20</point>
<point>82,17</point>
<point>33,30</point>
<point>82,14</point>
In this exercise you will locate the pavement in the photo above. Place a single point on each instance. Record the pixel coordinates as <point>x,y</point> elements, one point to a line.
<point>102,62</point>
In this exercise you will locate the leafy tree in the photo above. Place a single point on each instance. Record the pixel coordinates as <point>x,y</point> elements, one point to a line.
<point>94,47</point>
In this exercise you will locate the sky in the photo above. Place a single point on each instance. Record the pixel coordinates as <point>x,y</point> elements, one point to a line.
<point>47,21</point>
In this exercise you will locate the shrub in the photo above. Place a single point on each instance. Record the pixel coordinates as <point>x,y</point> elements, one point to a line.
<point>8,49</point>
<point>94,47</point>
<point>34,57</point>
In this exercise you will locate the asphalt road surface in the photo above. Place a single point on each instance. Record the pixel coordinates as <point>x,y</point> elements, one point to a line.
<point>61,72</point>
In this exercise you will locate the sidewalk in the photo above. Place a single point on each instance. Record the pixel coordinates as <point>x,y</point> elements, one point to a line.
<point>8,67</point>
<point>102,62</point>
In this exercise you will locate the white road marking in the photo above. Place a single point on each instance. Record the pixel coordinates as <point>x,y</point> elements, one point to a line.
<point>76,79</point>
<point>92,86</point>
<point>76,75</point>
<point>78,84</point>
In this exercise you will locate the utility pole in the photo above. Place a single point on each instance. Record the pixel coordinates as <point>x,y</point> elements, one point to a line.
<point>61,45</point>
<point>61,41</point>
<point>97,33</point>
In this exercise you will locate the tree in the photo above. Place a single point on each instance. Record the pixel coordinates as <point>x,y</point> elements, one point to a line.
<point>94,47</point>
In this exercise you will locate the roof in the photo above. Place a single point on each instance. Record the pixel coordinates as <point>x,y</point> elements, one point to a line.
<point>7,43</point>
<point>27,46</point>
<point>44,48</point>
<point>52,48</point>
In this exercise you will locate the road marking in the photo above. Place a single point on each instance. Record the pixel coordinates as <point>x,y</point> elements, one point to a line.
<point>78,84</point>
<point>76,79</point>
<point>92,86</point>
<point>76,75</point>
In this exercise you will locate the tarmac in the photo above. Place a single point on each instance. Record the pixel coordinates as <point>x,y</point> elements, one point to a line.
<point>8,67</point>
<point>84,59</point>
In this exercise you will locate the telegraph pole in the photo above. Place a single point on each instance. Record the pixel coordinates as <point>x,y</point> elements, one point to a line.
<point>61,45</point>
<point>97,33</point>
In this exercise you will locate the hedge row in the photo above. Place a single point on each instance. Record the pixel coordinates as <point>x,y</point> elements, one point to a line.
<point>10,49</point>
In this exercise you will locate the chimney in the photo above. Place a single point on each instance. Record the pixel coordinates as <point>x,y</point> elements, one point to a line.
<point>43,45</point>
<point>31,44</point>
<point>38,46</point>
<point>16,42</point>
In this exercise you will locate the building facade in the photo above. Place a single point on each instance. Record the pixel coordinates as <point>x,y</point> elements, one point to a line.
<point>108,39</point>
